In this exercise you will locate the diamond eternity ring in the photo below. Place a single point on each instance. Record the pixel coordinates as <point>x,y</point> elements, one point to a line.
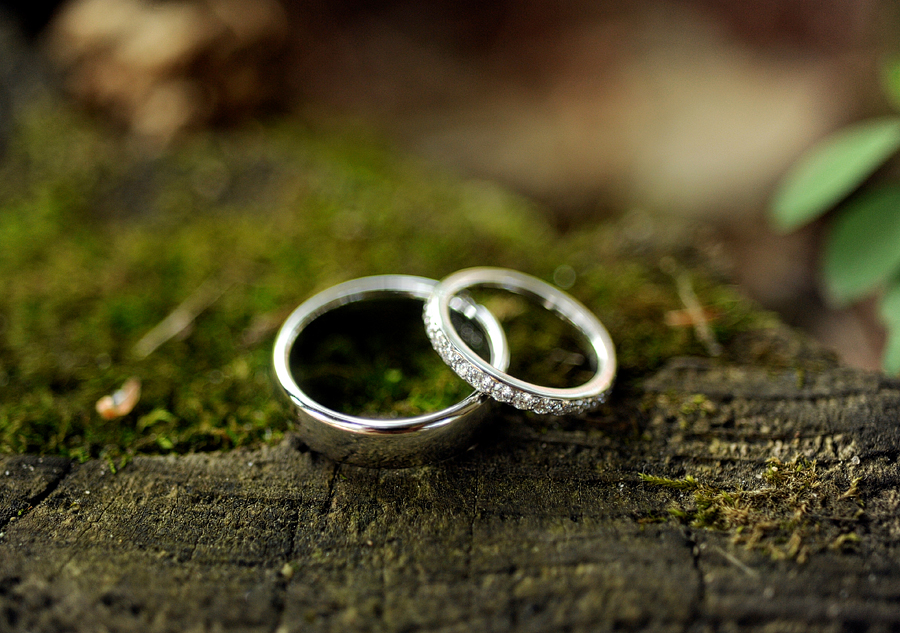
<point>491,379</point>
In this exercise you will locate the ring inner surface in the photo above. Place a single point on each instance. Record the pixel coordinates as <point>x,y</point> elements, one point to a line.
<point>372,359</point>
<point>545,348</point>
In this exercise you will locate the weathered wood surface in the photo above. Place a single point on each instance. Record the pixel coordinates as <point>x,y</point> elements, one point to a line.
<point>546,526</point>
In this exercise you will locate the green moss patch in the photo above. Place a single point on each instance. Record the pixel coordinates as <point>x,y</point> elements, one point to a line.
<point>374,359</point>
<point>101,243</point>
<point>793,513</point>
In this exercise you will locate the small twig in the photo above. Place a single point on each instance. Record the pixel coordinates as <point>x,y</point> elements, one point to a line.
<point>181,317</point>
<point>731,558</point>
<point>683,318</point>
<point>698,316</point>
<point>853,491</point>
<point>262,326</point>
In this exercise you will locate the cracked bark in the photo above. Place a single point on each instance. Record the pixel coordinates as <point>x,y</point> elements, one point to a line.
<point>26,482</point>
<point>545,526</point>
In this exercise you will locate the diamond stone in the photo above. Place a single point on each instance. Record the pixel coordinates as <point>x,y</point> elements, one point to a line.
<point>556,407</point>
<point>505,393</point>
<point>486,383</point>
<point>523,400</point>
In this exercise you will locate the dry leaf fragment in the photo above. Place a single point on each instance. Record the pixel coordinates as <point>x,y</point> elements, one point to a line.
<point>686,318</point>
<point>121,402</point>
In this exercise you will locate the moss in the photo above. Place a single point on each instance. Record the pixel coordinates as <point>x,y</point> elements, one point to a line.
<point>99,243</point>
<point>793,513</point>
<point>341,364</point>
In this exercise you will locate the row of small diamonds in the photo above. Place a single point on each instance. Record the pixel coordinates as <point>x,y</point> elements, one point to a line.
<point>499,390</point>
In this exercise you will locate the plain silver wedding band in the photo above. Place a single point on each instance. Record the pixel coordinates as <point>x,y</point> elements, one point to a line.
<point>391,442</point>
<point>493,380</point>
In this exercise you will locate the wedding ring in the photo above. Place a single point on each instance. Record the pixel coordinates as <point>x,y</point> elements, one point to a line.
<point>492,379</point>
<point>388,442</point>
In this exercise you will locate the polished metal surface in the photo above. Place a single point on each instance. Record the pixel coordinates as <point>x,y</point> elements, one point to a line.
<point>390,442</point>
<point>493,380</point>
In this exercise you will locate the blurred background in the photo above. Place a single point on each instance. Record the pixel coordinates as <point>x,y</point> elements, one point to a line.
<point>659,113</point>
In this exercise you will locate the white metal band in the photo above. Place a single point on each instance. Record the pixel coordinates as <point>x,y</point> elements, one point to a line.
<point>494,381</point>
<point>392,441</point>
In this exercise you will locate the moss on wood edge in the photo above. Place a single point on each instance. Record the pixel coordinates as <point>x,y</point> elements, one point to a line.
<point>99,243</point>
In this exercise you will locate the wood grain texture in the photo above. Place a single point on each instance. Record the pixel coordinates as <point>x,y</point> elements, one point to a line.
<point>25,480</point>
<point>546,526</point>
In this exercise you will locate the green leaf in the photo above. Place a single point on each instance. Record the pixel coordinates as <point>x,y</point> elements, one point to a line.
<point>863,248</point>
<point>890,80</point>
<point>889,308</point>
<point>891,360</point>
<point>832,169</point>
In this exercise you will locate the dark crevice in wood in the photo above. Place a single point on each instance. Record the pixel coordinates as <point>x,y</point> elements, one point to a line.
<point>73,549</point>
<point>37,499</point>
<point>379,609</point>
<point>329,498</point>
<point>470,550</point>
<point>280,589</point>
<point>697,603</point>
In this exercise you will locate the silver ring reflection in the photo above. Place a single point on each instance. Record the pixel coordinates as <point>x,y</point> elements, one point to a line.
<point>389,442</point>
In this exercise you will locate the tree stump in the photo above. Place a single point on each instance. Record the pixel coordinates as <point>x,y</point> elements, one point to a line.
<point>720,496</point>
